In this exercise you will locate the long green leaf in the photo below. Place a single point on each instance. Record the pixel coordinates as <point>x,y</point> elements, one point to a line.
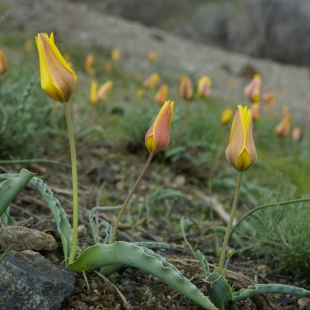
<point>12,186</point>
<point>59,214</point>
<point>257,289</point>
<point>125,253</point>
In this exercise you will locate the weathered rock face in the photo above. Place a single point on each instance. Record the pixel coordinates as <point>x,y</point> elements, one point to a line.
<point>28,281</point>
<point>230,72</point>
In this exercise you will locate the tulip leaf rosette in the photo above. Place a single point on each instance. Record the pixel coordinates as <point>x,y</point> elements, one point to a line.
<point>241,152</point>
<point>57,78</point>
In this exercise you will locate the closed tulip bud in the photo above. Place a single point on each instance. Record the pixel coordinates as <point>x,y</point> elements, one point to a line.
<point>28,46</point>
<point>241,152</point>
<point>93,97</point>
<point>3,63</point>
<point>255,111</point>
<point>104,90</point>
<point>157,137</point>
<point>204,87</point>
<point>151,81</point>
<point>57,78</point>
<point>270,99</point>
<point>162,94</point>
<point>89,64</point>
<point>152,56</point>
<point>226,116</point>
<point>253,90</point>
<point>283,129</point>
<point>296,134</point>
<point>186,87</point>
<point>115,55</point>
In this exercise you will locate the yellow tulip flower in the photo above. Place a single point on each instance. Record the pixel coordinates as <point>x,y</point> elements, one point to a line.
<point>226,116</point>
<point>93,97</point>
<point>151,81</point>
<point>161,95</point>
<point>157,137</point>
<point>186,87</point>
<point>57,78</point>
<point>104,90</point>
<point>3,63</point>
<point>254,89</point>
<point>204,87</point>
<point>241,152</point>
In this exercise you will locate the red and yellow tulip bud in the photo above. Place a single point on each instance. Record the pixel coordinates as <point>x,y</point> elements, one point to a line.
<point>204,87</point>
<point>104,90</point>
<point>151,81</point>
<point>152,57</point>
<point>162,94</point>
<point>186,87</point>
<point>296,134</point>
<point>255,111</point>
<point>93,94</point>
<point>157,137</point>
<point>241,152</point>
<point>253,90</point>
<point>58,80</point>
<point>270,99</point>
<point>89,64</point>
<point>4,68</point>
<point>283,129</point>
<point>226,116</point>
<point>115,55</point>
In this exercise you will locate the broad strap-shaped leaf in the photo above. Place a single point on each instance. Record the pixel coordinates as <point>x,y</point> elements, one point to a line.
<point>125,253</point>
<point>257,289</point>
<point>12,186</point>
<point>59,214</point>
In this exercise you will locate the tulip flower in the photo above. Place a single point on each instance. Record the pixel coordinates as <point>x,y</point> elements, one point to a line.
<point>57,78</point>
<point>253,90</point>
<point>115,55</point>
<point>140,92</point>
<point>296,133</point>
<point>93,97</point>
<point>204,87</point>
<point>3,63</point>
<point>186,87</point>
<point>226,116</point>
<point>152,57</point>
<point>104,90</point>
<point>157,137</point>
<point>161,95</point>
<point>151,81</point>
<point>241,152</point>
<point>28,46</point>
<point>89,64</point>
<point>255,111</point>
<point>283,129</point>
<point>270,99</point>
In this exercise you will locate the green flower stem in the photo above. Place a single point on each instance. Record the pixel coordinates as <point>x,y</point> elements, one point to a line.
<point>74,184</point>
<point>112,239</point>
<point>229,226</point>
<point>268,205</point>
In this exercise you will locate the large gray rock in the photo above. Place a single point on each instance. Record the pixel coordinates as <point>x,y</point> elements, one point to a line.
<point>28,281</point>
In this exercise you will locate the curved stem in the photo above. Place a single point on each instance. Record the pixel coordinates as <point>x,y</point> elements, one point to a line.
<point>74,184</point>
<point>267,205</point>
<point>112,239</point>
<point>229,226</point>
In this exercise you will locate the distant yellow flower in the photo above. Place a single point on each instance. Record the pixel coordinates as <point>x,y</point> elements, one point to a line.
<point>296,133</point>
<point>115,55</point>
<point>241,151</point>
<point>93,97</point>
<point>254,89</point>
<point>152,56</point>
<point>108,66</point>
<point>255,111</point>
<point>283,129</point>
<point>140,92</point>
<point>28,46</point>
<point>104,90</point>
<point>3,63</point>
<point>204,87</point>
<point>157,137</point>
<point>186,87</point>
<point>162,94</point>
<point>151,81</point>
<point>89,64</point>
<point>226,116</point>
<point>270,98</point>
<point>57,78</point>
